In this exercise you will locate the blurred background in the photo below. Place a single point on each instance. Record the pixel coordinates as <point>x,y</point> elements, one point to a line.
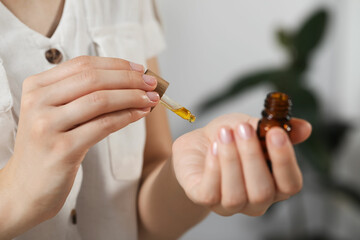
<point>309,48</point>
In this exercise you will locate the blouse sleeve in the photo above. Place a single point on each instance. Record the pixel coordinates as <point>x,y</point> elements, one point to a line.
<point>154,40</point>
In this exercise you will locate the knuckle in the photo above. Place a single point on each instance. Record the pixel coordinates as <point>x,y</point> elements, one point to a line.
<point>223,212</point>
<point>293,188</point>
<point>134,115</point>
<point>134,78</point>
<point>208,199</point>
<point>28,100</point>
<point>234,202</point>
<point>283,197</point>
<point>251,153</point>
<point>117,62</point>
<point>140,96</point>
<point>258,213</point>
<point>89,76</point>
<point>128,76</point>
<point>131,115</point>
<point>263,196</point>
<point>130,79</point>
<point>106,123</point>
<point>110,123</point>
<point>28,82</point>
<point>42,126</point>
<point>228,158</point>
<point>98,99</point>
<point>282,162</point>
<point>83,62</point>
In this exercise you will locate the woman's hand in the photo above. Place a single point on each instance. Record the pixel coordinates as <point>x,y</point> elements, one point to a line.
<point>65,111</point>
<point>222,167</point>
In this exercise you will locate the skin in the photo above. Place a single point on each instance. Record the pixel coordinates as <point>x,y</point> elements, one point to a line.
<point>40,15</point>
<point>68,109</point>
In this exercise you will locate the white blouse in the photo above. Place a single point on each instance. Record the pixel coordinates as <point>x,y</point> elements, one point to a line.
<point>102,203</point>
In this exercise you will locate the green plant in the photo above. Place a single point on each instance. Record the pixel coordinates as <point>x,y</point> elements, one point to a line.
<point>327,133</point>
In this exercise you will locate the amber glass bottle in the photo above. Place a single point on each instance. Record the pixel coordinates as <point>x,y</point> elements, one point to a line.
<point>276,113</point>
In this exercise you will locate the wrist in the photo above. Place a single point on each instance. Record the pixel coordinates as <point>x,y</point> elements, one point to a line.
<point>165,211</point>
<point>16,212</point>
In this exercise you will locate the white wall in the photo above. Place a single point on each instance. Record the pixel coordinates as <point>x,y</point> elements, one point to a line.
<point>348,84</point>
<point>211,41</point>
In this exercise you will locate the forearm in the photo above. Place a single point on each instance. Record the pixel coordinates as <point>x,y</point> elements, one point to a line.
<point>165,211</point>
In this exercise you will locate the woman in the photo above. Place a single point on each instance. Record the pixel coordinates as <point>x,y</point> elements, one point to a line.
<point>82,156</point>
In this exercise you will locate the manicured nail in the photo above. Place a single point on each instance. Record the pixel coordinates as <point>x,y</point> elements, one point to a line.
<point>278,138</point>
<point>136,67</point>
<point>153,96</point>
<point>214,148</point>
<point>226,135</point>
<point>149,80</point>
<point>245,131</point>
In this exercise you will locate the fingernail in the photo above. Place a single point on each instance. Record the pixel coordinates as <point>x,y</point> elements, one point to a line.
<point>153,96</point>
<point>278,138</point>
<point>137,67</point>
<point>214,148</point>
<point>149,80</point>
<point>226,135</point>
<point>245,131</point>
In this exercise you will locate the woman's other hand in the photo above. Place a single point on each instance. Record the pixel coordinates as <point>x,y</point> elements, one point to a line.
<point>222,167</point>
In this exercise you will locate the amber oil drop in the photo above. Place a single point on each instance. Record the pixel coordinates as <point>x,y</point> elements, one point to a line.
<point>185,114</point>
<point>177,108</point>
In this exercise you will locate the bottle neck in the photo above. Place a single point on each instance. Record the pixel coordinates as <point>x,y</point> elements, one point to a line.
<point>277,106</point>
<point>276,115</point>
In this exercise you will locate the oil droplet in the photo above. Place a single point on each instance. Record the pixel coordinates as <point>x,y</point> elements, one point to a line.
<point>185,114</point>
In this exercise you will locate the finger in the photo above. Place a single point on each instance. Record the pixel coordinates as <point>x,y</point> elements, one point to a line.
<point>286,172</point>
<point>86,82</point>
<point>300,129</point>
<point>233,193</point>
<point>101,102</point>
<point>208,193</point>
<point>79,64</point>
<point>258,180</point>
<point>97,129</point>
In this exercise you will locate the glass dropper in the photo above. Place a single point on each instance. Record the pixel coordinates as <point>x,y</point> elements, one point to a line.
<point>175,107</point>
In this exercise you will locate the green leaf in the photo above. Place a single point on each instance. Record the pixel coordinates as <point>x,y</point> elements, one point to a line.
<point>284,38</point>
<point>310,34</point>
<point>287,80</point>
<point>334,132</point>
